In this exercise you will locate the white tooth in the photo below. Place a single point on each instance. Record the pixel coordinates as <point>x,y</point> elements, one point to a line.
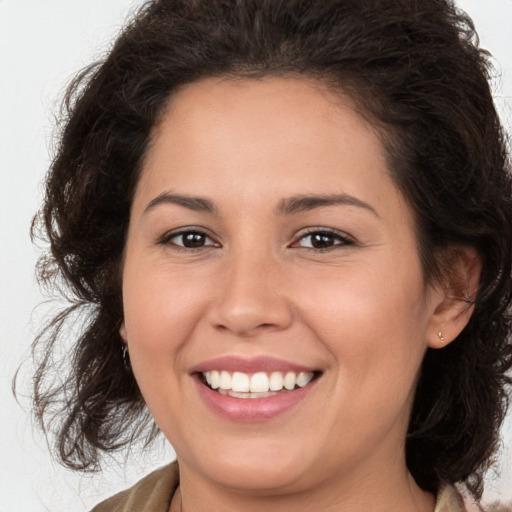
<point>289,381</point>
<point>208,377</point>
<point>304,378</point>
<point>215,379</point>
<point>240,382</point>
<point>259,383</point>
<point>249,395</point>
<point>276,381</point>
<point>225,380</point>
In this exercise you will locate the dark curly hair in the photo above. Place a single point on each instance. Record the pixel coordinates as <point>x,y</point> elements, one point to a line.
<point>414,69</point>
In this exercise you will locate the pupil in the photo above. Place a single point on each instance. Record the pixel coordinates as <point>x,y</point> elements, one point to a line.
<point>321,240</point>
<point>193,240</point>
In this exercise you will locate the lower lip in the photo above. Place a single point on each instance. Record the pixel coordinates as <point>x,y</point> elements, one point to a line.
<point>252,409</point>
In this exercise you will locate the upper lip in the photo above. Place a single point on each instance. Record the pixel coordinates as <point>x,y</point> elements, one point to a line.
<point>250,365</point>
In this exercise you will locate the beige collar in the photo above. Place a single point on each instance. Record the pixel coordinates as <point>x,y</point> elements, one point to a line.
<point>449,500</point>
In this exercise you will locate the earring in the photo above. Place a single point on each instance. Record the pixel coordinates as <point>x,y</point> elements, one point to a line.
<point>440,336</point>
<point>126,356</point>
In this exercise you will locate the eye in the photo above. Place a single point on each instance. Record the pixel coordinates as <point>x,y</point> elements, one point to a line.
<point>323,239</point>
<point>189,239</point>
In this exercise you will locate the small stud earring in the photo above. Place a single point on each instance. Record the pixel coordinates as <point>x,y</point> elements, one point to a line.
<point>126,356</point>
<point>440,336</point>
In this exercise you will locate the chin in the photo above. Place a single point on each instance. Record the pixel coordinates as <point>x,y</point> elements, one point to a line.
<point>263,470</point>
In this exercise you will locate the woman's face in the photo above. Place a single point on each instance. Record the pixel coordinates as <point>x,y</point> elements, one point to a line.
<point>268,249</point>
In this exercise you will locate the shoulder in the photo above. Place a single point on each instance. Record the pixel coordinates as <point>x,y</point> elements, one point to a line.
<point>449,500</point>
<point>152,493</point>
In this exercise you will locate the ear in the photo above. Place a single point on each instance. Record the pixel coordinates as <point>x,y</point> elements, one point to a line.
<point>123,333</point>
<point>453,299</point>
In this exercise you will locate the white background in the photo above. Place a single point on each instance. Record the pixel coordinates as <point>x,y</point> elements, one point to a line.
<point>42,44</point>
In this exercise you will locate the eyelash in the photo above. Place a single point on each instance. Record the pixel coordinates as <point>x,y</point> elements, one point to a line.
<point>342,239</point>
<point>168,237</point>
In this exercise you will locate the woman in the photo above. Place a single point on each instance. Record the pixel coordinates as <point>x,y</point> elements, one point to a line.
<point>290,225</point>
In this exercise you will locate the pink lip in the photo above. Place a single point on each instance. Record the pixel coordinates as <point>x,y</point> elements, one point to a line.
<point>249,365</point>
<point>250,409</point>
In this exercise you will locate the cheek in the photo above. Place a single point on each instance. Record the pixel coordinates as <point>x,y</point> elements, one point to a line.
<point>369,300</point>
<point>373,322</point>
<point>161,311</point>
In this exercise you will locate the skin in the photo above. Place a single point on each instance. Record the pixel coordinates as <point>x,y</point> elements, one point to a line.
<point>358,310</point>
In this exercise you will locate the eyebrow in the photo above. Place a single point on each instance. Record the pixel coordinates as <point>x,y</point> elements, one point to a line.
<point>288,206</point>
<point>302,203</point>
<point>197,204</point>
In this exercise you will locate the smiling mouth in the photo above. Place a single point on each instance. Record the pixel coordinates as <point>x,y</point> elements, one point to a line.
<point>255,385</point>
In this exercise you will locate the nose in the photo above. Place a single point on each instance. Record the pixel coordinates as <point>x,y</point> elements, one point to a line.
<point>251,297</point>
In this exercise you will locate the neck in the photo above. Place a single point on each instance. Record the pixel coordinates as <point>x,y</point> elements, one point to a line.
<point>386,490</point>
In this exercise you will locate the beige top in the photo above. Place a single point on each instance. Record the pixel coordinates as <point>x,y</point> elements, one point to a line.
<point>154,493</point>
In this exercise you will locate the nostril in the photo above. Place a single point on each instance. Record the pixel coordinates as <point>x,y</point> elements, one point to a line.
<point>246,331</point>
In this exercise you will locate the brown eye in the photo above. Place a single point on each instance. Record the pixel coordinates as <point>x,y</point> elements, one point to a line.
<point>193,239</point>
<point>190,239</point>
<point>323,240</point>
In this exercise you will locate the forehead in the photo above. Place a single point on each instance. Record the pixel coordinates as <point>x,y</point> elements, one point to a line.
<point>230,93</point>
<point>271,102</point>
<point>290,125</point>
